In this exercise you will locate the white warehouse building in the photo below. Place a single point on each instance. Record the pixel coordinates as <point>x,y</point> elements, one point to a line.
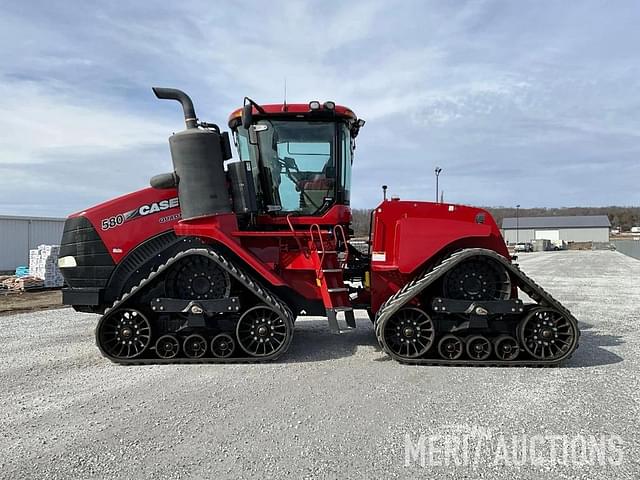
<point>579,228</point>
<point>20,234</point>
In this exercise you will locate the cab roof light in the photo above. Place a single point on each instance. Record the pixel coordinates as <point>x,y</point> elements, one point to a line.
<point>314,105</point>
<point>329,105</point>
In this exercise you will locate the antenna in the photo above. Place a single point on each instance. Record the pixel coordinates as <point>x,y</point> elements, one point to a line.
<point>284,106</point>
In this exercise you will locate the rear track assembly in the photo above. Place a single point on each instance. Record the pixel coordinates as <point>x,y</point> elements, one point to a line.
<point>548,332</point>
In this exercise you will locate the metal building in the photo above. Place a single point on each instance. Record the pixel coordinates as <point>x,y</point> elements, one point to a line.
<point>19,234</point>
<point>579,228</point>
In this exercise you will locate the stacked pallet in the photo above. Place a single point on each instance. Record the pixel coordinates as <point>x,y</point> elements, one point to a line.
<point>43,264</point>
<point>2,279</point>
<point>14,283</point>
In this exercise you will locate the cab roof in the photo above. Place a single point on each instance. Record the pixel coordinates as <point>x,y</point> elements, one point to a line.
<point>289,109</point>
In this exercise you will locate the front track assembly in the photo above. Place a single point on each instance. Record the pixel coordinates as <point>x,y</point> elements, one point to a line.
<point>129,332</point>
<point>542,334</point>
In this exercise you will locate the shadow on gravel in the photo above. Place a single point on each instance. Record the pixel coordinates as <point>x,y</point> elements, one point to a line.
<point>312,341</point>
<point>590,352</point>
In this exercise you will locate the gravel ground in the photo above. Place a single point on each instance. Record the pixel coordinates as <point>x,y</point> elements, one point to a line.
<point>334,407</point>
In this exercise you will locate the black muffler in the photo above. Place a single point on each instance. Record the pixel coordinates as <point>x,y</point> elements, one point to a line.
<point>198,155</point>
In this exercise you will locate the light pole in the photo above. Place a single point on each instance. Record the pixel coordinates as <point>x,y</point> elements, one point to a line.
<point>437,170</point>
<point>517,223</point>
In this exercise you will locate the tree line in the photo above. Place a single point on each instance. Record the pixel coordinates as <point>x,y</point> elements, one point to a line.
<point>620,217</point>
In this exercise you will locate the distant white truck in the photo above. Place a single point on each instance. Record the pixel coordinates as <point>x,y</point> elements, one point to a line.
<point>558,244</point>
<point>635,229</point>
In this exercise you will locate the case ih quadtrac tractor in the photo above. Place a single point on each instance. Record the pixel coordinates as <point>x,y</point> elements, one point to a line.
<point>216,260</point>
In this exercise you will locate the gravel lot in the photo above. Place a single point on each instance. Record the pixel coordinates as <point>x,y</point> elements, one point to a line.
<point>334,407</point>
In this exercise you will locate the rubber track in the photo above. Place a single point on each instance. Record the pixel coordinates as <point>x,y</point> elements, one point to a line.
<point>253,286</point>
<point>413,288</point>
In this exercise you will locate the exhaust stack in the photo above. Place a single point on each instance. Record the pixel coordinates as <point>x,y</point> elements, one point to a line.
<point>198,161</point>
<point>190,118</point>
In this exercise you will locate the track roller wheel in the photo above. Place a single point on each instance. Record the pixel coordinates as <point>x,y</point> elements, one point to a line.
<point>506,347</point>
<point>450,347</point>
<point>478,347</point>
<point>261,331</point>
<point>124,333</point>
<point>547,334</point>
<point>222,345</point>
<point>409,333</point>
<point>194,346</point>
<point>167,346</point>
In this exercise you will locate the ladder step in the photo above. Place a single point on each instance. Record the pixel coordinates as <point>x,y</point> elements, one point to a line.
<point>336,290</point>
<point>343,309</point>
<point>332,317</point>
<point>331,270</point>
<point>350,318</point>
<point>327,251</point>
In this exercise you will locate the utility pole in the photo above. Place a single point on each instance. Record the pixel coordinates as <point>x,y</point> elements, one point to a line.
<point>517,223</point>
<point>437,171</point>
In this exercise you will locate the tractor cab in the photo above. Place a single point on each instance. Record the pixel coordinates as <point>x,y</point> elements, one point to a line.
<point>300,155</point>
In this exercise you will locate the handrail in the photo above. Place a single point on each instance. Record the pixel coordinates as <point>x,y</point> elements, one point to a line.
<point>340,228</point>
<point>295,235</point>
<point>313,227</point>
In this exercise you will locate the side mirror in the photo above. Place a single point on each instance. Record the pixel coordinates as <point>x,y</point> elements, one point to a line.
<point>247,115</point>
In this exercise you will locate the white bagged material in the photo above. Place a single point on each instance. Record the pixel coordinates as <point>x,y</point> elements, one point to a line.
<point>43,264</point>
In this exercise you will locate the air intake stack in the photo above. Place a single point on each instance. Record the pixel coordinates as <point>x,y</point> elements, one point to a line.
<point>198,155</point>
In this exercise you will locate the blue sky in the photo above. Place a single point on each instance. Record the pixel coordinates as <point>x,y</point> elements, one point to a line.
<point>536,103</point>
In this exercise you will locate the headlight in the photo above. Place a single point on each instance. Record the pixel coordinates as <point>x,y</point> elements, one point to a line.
<point>67,262</point>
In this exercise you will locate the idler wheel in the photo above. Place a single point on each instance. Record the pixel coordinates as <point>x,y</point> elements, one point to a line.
<point>124,333</point>
<point>409,333</point>
<point>547,334</point>
<point>261,331</point>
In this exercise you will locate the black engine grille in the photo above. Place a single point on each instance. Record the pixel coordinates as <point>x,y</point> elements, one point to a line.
<point>94,264</point>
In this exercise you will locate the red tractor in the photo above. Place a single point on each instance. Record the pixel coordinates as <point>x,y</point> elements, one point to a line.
<point>216,260</point>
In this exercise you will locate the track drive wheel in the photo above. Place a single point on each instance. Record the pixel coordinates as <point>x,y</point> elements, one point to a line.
<point>478,278</point>
<point>451,347</point>
<point>547,334</point>
<point>262,331</point>
<point>197,277</point>
<point>124,333</point>
<point>409,333</point>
